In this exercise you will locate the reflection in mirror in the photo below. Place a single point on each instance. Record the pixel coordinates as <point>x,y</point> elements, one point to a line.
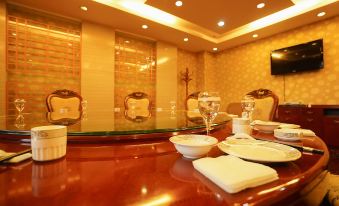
<point>62,118</point>
<point>137,115</point>
<point>20,121</point>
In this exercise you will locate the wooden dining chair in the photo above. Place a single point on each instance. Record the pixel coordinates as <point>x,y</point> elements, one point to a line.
<point>66,119</point>
<point>192,102</point>
<point>137,101</point>
<point>266,104</point>
<point>64,101</point>
<point>137,106</point>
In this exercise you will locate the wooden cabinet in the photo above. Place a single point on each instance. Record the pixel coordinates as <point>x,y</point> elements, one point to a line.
<point>322,119</point>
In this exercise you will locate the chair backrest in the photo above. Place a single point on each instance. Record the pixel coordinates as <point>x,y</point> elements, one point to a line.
<point>266,104</point>
<point>137,101</point>
<point>67,119</point>
<point>64,101</point>
<point>137,107</point>
<point>192,101</point>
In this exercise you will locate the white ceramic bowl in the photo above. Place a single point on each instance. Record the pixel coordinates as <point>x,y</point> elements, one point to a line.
<point>193,146</point>
<point>267,127</point>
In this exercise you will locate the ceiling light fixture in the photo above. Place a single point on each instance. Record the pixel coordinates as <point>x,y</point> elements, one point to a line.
<point>221,23</point>
<point>255,35</point>
<point>178,3</point>
<point>215,49</point>
<point>186,39</point>
<point>144,26</point>
<point>84,8</point>
<point>261,5</point>
<point>321,14</point>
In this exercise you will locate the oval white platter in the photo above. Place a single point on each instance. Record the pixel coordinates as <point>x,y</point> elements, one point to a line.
<point>266,152</point>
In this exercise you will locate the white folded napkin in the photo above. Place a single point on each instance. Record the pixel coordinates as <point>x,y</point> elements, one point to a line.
<point>233,174</point>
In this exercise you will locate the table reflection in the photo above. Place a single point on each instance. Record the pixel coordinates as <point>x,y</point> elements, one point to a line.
<point>103,123</point>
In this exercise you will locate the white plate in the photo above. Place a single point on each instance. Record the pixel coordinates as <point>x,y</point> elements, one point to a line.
<point>292,134</point>
<point>268,152</point>
<point>264,126</point>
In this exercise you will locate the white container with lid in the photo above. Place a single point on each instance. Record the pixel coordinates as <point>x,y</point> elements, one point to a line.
<point>241,125</point>
<point>48,142</point>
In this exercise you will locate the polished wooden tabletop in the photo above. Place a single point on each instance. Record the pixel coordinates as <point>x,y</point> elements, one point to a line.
<point>147,173</point>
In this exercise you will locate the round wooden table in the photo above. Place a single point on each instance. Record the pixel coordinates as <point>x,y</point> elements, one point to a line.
<point>151,172</point>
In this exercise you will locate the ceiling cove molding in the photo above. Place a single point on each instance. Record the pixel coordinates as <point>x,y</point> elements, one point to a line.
<point>139,8</point>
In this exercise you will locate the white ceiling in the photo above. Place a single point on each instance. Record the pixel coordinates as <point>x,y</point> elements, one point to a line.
<point>196,19</point>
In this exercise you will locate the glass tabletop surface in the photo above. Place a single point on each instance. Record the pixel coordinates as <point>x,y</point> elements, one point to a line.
<point>109,122</point>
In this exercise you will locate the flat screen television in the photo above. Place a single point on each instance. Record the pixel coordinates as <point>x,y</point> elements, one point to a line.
<point>298,58</point>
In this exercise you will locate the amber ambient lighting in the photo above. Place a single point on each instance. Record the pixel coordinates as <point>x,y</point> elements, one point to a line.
<point>84,8</point>
<point>321,14</point>
<point>160,200</point>
<point>178,3</point>
<point>261,5</point>
<point>276,55</point>
<point>255,35</point>
<point>186,39</point>
<point>221,23</point>
<point>215,49</point>
<point>139,8</point>
<point>144,26</point>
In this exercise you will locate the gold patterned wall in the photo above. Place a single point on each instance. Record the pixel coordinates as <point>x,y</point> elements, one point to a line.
<point>187,60</point>
<point>40,49</point>
<point>247,67</point>
<point>135,68</point>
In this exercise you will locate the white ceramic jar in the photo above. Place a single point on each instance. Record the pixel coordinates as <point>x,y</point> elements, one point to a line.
<point>48,142</point>
<point>241,125</point>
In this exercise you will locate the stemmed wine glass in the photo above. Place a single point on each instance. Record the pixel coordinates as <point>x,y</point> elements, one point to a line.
<point>19,105</point>
<point>208,104</point>
<point>247,105</point>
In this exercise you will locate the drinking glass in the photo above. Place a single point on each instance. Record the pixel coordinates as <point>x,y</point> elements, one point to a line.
<point>19,105</point>
<point>247,105</point>
<point>208,104</point>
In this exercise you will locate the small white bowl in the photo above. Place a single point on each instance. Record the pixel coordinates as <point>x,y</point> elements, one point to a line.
<point>193,146</point>
<point>267,127</point>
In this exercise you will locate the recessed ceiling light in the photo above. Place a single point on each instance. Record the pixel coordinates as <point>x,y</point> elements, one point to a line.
<point>215,49</point>
<point>178,3</point>
<point>255,35</point>
<point>84,8</point>
<point>126,41</point>
<point>186,39</point>
<point>261,5</point>
<point>321,14</point>
<point>144,26</point>
<point>221,23</point>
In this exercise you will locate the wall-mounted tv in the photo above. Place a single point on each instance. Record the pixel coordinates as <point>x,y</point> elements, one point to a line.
<point>298,58</point>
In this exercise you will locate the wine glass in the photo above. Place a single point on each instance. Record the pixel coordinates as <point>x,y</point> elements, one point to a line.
<point>208,104</point>
<point>19,105</point>
<point>247,105</point>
